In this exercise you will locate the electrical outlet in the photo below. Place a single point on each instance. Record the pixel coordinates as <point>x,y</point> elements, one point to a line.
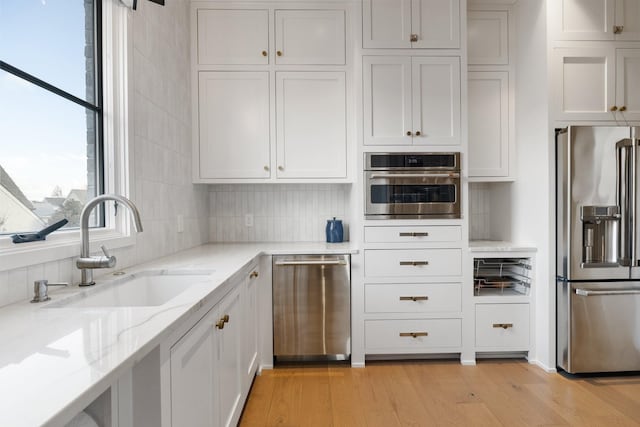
<point>180,224</point>
<point>248,220</point>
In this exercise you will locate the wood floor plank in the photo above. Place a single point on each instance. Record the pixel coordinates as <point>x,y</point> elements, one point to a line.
<point>346,405</point>
<point>439,393</point>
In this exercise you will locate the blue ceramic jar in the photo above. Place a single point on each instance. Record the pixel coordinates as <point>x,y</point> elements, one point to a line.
<point>334,230</point>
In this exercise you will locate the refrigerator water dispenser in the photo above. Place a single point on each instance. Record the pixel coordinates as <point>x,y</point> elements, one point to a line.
<point>600,236</point>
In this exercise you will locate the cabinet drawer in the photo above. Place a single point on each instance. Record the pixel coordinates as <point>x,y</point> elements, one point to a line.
<point>395,336</point>
<point>412,298</point>
<point>412,262</point>
<point>502,326</point>
<point>419,234</point>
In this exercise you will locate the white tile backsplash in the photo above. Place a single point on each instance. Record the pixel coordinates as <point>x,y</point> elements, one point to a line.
<point>479,211</point>
<point>161,152</point>
<point>281,212</point>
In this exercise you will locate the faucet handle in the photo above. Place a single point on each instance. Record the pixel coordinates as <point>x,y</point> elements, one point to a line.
<point>105,251</point>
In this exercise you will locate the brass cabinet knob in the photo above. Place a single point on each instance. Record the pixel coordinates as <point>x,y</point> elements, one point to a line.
<point>225,318</point>
<point>623,108</point>
<point>618,29</point>
<point>253,274</point>
<point>417,133</point>
<point>614,108</point>
<point>413,38</point>
<point>264,53</point>
<point>409,133</point>
<point>280,168</point>
<point>220,324</point>
<point>279,53</point>
<point>266,168</point>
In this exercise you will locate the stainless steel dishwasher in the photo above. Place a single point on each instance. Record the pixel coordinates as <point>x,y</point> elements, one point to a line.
<point>311,307</point>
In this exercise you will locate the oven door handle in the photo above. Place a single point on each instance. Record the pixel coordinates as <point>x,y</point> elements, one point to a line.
<point>415,175</point>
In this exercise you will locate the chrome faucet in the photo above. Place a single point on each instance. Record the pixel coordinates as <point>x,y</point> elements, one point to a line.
<point>87,263</point>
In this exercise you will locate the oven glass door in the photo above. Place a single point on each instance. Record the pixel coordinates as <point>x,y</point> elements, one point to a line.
<point>412,195</point>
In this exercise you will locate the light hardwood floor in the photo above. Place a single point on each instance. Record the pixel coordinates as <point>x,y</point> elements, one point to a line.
<point>438,393</point>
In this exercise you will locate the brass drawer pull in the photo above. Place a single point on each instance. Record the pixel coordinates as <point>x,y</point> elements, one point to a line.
<point>220,324</point>
<point>425,298</point>
<point>225,318</point>
<point>253,274</point>
<point>414,263</point>
<point>413,234</point>
<point>414,334</point>
<point>503,325</point>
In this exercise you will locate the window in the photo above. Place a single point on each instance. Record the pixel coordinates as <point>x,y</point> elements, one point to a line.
<point>36,33</point>
<point>51,112</point>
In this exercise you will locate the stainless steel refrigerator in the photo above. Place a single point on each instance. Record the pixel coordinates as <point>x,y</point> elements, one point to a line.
<point>598,248</point>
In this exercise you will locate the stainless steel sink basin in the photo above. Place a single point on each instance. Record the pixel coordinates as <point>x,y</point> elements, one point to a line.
<point>145,289</point>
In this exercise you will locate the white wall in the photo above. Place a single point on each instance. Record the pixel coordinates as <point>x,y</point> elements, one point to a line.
<point>533,210</point>
<point>281,212</point>
<point>161,159</point>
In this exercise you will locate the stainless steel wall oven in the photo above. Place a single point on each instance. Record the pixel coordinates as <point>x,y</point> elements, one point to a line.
<point>412,185</point>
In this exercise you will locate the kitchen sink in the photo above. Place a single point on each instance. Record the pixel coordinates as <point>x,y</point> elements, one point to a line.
<point>144,289</point>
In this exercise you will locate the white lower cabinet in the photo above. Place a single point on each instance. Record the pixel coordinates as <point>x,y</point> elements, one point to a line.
<point>206,374</point>
<point>412,289</point>
<point>212,366</point>
<point>502,327</point>
<point>412,335</point>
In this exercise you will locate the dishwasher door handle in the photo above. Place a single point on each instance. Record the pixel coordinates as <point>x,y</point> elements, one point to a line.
<point>312,262</point>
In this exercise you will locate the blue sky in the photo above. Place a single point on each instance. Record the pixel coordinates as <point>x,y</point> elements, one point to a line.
<point>42,136</point>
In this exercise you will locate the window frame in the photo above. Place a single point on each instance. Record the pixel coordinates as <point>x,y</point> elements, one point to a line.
<point>116,60</point>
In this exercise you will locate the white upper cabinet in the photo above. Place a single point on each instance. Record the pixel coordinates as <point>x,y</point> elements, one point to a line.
<point>411,24</point>
<point>596,19</point>
<point>232,36</point>
<point>270,87</point>
<point>596,83</point>
<point>310,37</point>
<point>311,139</point>
<point>411,100</point>
<point>488,124</point>
<point>488,37</point>
<point>233,115</point>
<point>628,83</point>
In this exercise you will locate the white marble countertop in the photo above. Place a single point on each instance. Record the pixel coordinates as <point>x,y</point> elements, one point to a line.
<point>498,246</point>
<point>53,358</point>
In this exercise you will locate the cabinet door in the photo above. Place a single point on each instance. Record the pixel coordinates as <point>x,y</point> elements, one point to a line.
<point>229,372</point>
<point>386,23</point>
<point>583,83</point>
<point>311,137</point>
<point>628,83</point>
<point>436,100</point>
<point>628,16</point>
<point>488,124</point>
<point>250,328</point>
<point>583,19</point>
<point>436,23</point>
<point>310,37</point>
<point>488,37</point>
<point>233,124</point>
<point>193,402</point>
<point>387,100</point>
<point>232,36</point>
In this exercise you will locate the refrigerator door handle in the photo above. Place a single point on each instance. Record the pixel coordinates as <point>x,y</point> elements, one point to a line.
<point>589,293</point>
<point>625,183</point>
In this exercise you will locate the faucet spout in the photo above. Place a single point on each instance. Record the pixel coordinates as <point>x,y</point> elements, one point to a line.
<point>86,263</point>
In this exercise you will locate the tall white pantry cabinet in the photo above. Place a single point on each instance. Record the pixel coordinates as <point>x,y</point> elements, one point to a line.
<point>272,92</point>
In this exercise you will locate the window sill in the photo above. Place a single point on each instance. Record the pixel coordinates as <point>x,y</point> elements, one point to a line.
<point>64,246</point>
